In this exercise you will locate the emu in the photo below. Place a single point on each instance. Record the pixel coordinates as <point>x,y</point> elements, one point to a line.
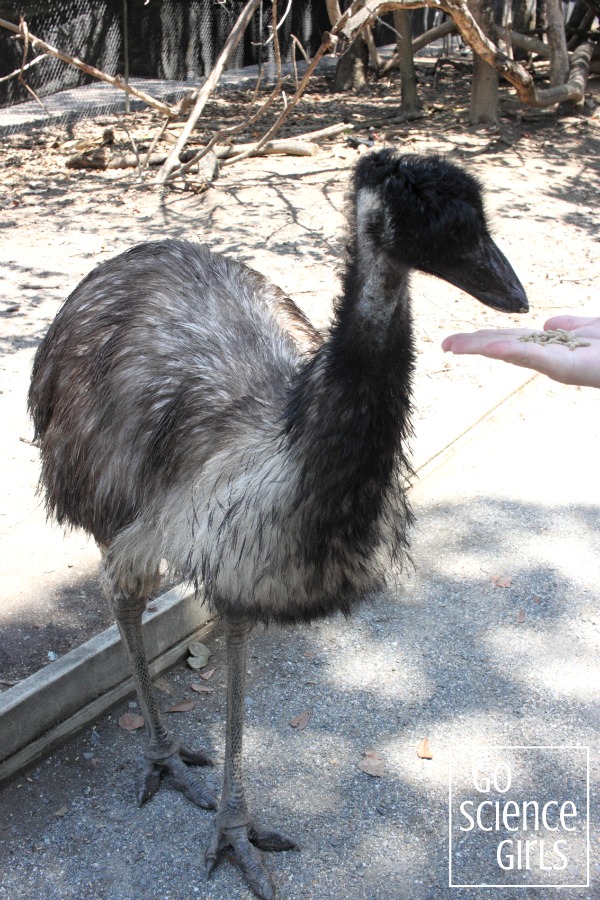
<point>188,412</point>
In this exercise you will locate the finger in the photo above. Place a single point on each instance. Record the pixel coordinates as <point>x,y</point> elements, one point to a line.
<point>512,350</point>
<point>569,323</point>
<point>468,342</point>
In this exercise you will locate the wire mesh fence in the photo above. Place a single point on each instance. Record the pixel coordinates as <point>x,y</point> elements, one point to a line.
<point>166,39</point>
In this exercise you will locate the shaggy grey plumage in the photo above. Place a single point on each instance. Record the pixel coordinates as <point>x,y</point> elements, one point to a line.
<point>188,412</point>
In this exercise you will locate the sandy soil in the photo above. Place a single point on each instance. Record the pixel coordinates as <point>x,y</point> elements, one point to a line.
<point>284,216</point>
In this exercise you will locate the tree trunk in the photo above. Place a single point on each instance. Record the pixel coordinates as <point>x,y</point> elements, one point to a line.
<point>351,69</point>
<point>523,20</point>
<point>557,40</point>
<point>522,80</point>
<point>483,109</point>
<point>408,78</point>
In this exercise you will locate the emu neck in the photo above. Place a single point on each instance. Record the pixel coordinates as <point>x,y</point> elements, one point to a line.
<point>348,414</point>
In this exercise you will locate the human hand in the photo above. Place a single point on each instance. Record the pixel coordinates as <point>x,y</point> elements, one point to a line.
<point>557,361</point>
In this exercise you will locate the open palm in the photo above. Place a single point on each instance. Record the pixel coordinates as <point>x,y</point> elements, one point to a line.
<point>558,361</point>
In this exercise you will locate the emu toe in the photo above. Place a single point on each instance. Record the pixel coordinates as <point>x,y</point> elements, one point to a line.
<point>241,845</point>
<point>173,769</point>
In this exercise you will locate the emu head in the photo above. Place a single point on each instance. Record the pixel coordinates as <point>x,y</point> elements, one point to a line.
<point>427,214</point>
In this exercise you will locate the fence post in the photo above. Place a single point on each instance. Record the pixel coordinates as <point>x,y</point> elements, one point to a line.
<point>126,55</point>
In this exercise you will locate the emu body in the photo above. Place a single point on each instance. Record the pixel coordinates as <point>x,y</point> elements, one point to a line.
<point>187,411</point>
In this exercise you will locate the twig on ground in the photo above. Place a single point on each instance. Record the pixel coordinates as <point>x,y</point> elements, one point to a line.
<point>138,161</point>
<point>154,142</point>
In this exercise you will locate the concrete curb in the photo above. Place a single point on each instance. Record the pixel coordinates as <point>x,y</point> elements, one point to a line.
<point>43,710</point>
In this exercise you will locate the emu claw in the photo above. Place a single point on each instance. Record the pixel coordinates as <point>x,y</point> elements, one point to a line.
<point>239,845</point>
<point>174,769</point>
<point>269,841</point>
<point>194,757</point>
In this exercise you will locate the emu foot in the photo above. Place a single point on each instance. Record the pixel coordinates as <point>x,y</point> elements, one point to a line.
<point>173,769</point>
<point>241,845</point>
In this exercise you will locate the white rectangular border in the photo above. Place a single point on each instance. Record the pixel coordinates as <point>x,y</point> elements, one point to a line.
<point>521,747</point>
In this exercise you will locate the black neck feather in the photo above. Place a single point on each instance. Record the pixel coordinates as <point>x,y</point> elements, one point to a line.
<point>347,418</point>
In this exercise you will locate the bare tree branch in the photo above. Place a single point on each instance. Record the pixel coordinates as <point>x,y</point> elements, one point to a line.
<point>30,65</point>
<point>376,60</point>
<point>91,70</point>
<point>24,35</point>
<point>525,42</point>
<point>208,87</point>
<point>364,11</point>
<point>434,34</point>
<point>328,42</point>
<point>333,11</point>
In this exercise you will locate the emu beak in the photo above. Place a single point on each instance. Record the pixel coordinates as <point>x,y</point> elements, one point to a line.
<point>488,276</point>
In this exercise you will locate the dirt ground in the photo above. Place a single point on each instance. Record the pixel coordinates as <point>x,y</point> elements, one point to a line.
<point>284,216</point>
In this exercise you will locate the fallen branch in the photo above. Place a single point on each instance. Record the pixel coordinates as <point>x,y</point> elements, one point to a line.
<point>300,145</point>
<point>166,110</point>
<point>283,147</point>
<point>251,119</point>
<point>329,41</point>
<point>434,34</point>
<point>208,87</point>
<point>534,45</point>
<point>254,149</point>
<point>99,159</point>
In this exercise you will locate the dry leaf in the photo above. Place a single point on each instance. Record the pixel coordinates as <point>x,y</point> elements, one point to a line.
<point>131,721</point>
<point>424,750</point>
<point>207,675</point>
<point>184,706</point>
<point>520,616</point>
<point>200,654</point>
<point>201,688</point>
<point>372,763</point>
<point>300,721</point>
<point>502,581</point>
<point>196,662</point>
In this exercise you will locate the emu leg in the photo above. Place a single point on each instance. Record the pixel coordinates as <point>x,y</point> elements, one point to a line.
<point>164,758</point>
<point>235,836</point>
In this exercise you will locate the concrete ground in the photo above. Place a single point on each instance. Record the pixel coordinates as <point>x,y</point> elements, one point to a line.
<point>490,641</point>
